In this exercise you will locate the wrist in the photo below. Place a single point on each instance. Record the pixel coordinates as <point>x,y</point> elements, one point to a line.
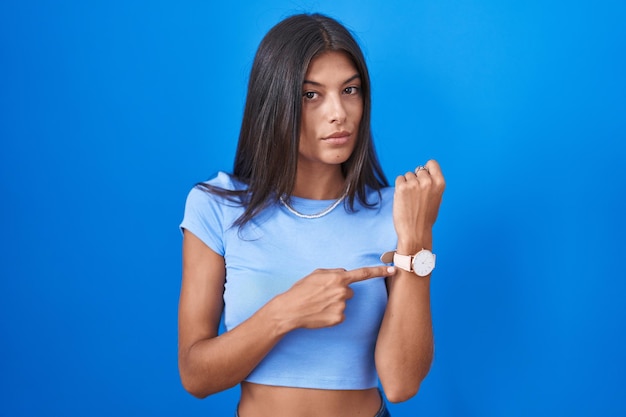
<point>422,263</point>
<point>412,246</point>
<point>281,323</point>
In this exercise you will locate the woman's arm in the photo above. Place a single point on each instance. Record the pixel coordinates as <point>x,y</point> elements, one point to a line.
<point>404,349</point>
<point>209,363</point>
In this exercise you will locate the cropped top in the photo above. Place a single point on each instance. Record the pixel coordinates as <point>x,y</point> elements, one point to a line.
<point>274,250</point>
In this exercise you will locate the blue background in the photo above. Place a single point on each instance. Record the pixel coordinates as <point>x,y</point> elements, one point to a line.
<point>111,111</point>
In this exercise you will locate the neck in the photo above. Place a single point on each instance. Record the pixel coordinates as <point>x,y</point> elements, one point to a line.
<point>319,185</point>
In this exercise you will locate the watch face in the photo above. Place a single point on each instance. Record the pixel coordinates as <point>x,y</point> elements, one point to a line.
<point>423,263</point>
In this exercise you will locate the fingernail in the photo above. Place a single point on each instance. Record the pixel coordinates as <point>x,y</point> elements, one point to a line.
<point>391,269</point>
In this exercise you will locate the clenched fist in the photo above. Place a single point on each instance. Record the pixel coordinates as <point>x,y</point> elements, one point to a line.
<point>415,207</point>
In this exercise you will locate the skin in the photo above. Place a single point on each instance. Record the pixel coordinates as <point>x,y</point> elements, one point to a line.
<point>211,363</point>
<point>331,104</point>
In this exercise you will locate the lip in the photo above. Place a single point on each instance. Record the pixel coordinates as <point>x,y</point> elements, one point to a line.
<point>338,137</point>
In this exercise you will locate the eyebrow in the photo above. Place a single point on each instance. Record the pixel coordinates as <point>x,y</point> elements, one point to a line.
<point>354,77</point>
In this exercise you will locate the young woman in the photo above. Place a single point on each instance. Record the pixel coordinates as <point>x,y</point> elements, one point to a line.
<point>287,247</point>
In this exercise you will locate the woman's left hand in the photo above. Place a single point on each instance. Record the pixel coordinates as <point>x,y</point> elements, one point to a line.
<point>416,205</point>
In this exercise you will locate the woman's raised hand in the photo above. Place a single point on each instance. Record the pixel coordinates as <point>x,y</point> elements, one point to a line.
<point>319,299</point>
<point>415,206</point>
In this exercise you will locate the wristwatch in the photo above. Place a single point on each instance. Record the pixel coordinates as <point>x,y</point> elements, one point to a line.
<point>422,263</point>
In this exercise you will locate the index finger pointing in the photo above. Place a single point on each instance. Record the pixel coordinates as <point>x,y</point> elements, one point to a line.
<point>361,274</point>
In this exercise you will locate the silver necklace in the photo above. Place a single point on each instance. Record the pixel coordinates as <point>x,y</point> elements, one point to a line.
<point>315,215</point>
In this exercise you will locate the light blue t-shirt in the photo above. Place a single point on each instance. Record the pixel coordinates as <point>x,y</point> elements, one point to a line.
<point>276,249</point>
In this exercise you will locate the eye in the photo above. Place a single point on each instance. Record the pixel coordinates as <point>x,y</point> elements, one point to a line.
<point>309,95</point>
<point>352,90</point>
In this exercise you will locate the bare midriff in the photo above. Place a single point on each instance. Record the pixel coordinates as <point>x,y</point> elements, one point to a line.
<point>265,400</point>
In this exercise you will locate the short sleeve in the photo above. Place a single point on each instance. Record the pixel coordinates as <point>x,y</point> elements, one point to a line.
<point>204,218</point>
<point>209,216</point>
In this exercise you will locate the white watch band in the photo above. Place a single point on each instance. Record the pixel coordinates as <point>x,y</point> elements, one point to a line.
<point>406,262</point>
<point>403,261</point>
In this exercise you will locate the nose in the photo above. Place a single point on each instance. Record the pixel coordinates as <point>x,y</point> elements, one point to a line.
<point>336,109</point>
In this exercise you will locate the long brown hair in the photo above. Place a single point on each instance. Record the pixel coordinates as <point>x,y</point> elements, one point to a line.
<point>267,152</point>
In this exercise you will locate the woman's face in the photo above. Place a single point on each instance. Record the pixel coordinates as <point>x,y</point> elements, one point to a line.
<point>332,106</point>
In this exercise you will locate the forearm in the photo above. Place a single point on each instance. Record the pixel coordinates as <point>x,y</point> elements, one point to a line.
<point>214,364</point>
<point>404,349</point>
<point>210,363</point>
